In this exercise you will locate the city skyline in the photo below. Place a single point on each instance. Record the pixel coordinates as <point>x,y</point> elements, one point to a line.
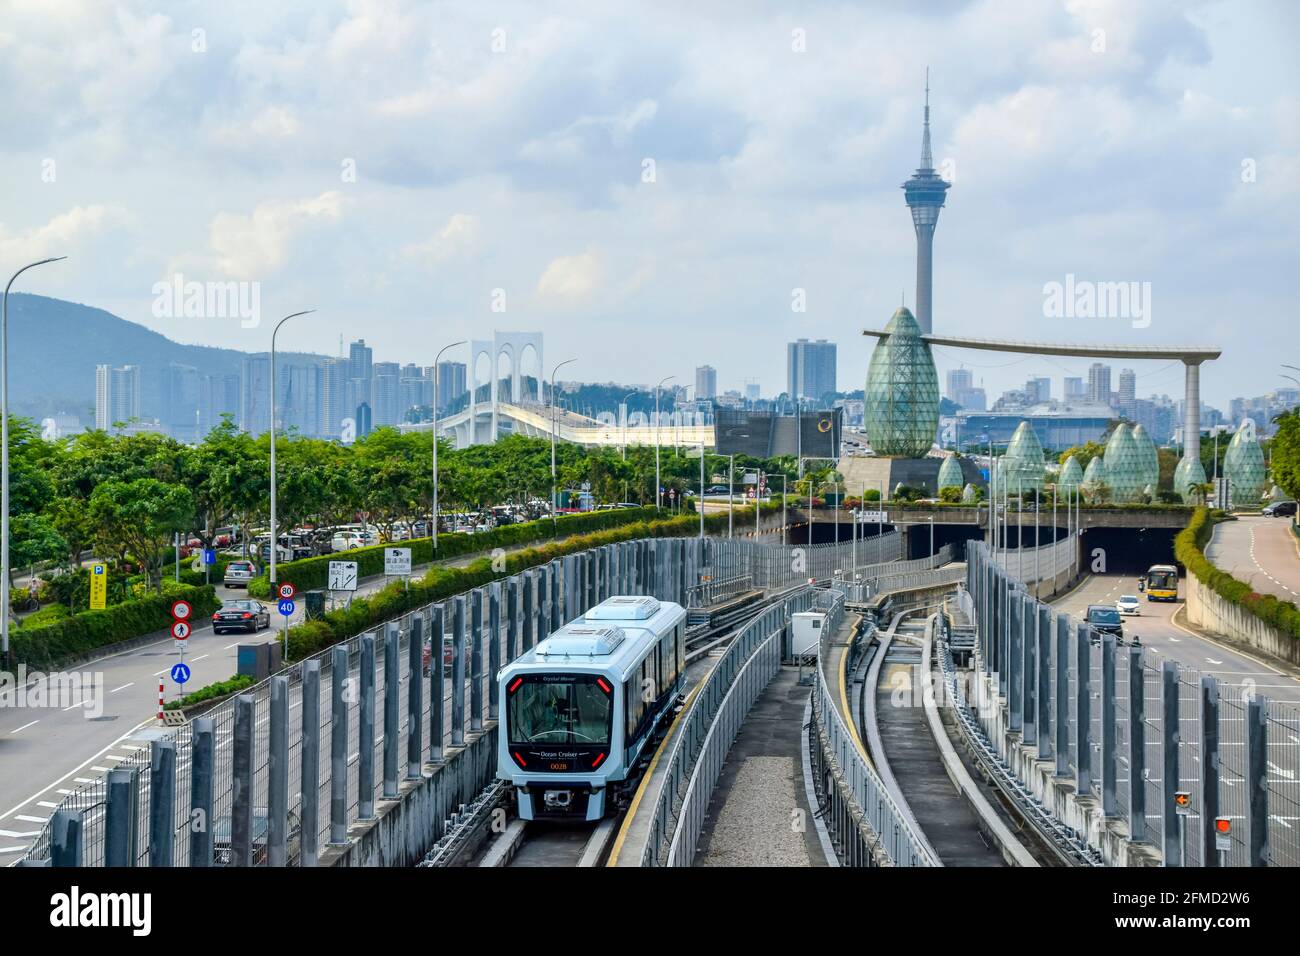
<point>537,204</point>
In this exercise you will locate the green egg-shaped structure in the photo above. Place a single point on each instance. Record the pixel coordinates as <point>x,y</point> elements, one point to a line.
<point>950,475</point>
<point>1189,474</point>
<point>1095,487</point>
<point>1071,475</point>
<point>1125,469</point>
<point>902,393</point>
<point>1024,460</point>
<point>1243,466</point>
<point>1149,458</point>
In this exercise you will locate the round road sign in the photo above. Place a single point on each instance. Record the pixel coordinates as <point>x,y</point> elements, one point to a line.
<point>180,673</point>
<point>181,610</point>
<point>180,630</point>
<point>286,607</point>
<point>287,591</point>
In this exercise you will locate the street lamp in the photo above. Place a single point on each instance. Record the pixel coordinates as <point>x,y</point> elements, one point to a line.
<point>625,398</point>
<point>4,459</point>
<point>436,359</point>
<point>554,426</point>
<point>658,487</point>
<point>275,537</point>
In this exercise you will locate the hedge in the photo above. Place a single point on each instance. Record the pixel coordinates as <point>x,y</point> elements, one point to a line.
<point>219,689</point>
<point>441,582</point>
<point>311,573</point>
<point>53,644</point>
<point>1189,550</point>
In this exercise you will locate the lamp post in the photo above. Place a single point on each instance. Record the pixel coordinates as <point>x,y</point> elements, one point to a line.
<point>4,459</point>
<point>275,535</point>
<point>554,426</point>
<point>658,487</point>
<point>625,398</point>
<point>700,500</point>
<point>731,495</point>
<point>436,359</point>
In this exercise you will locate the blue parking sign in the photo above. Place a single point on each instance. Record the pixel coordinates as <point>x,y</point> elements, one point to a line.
<point>286,607</point>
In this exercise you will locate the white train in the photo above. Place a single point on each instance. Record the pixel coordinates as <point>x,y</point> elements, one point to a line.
<point>579,709</point>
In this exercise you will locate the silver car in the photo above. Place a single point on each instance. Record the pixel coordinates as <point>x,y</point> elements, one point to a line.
<point>239,573</point>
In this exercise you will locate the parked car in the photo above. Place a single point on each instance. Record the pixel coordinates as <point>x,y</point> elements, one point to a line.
<point>1281,509</point>
<point>239,573</point>
<point>223,852</point>
<point>1128,604</point>
<point>1105,619</point>
<point>449,655</point>
<point>250,616</point>
<point>347,540</point>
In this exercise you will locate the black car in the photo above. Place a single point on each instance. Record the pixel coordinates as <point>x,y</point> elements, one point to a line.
<point>250,616</point>
<point>1281,509</point>
<point>1105,619</point>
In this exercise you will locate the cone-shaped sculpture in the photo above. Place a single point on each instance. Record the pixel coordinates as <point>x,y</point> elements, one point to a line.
<point>1125,470</point>
<point>902,395</point>
<point>1188,477</point>
<point>950,475</point>
<point>1024,460</point>
<point>1149,457</point>
<point>1243,466</point>
<point>1071,474</point>
<point>1095,488</point>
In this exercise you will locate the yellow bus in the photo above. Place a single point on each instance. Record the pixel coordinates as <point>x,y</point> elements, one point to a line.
<point>1161,583</point>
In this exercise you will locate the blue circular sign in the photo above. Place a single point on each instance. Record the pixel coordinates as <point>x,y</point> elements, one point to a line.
<point>180,673</point>
<point>286,607</point>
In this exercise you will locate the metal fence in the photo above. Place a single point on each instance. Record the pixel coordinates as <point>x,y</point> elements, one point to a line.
<point>1133,730</point>
<point>1028,565</point>
<point>281,772</point>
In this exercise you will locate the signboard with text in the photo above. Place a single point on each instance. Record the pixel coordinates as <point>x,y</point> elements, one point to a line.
<point>397,561</point>
<point>342,576</point>
<point>98,586</point>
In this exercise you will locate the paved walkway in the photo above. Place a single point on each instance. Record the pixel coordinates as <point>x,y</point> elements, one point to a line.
<point>760,815</point>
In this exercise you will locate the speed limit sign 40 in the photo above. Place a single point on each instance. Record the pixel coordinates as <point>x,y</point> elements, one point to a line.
<point>286,591</point>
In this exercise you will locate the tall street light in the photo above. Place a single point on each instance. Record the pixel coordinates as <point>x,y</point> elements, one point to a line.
<point>436,359</point>
<point>658,487</point>
<point>554,426</point>
<point>275,537</point>
<point>625,398</point>
<point>4,460</point>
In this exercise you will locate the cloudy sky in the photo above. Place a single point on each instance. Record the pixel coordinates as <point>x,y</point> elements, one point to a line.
<point>649,184</point>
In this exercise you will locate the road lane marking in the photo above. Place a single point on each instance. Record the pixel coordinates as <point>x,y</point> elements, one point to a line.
<point>47,803</point>
<point>123,687</point>
<point>18,835</point>
<point>29,819</point>
<point>24,726</point>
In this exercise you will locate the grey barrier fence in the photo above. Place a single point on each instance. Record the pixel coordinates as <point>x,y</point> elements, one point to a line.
<point>865,824</point>
<point>281,772</point>
<point>859,585</point>
<point>1028,565</point>
<point>1132,729</point>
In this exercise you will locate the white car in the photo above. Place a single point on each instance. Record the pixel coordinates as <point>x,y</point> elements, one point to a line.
<point>1128,604</point>
<point>346,541</point>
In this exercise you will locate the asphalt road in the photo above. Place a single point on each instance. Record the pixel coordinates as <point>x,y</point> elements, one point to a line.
<point>49,751</point>
<point>1260,551</point>
<point>1164,637</point>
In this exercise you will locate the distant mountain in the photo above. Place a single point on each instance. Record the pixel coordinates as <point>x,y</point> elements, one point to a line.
<point>55,345</point>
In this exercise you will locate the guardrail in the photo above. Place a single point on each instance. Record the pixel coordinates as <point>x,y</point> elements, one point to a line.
<point>1058,691</point>
<point>867,826</point>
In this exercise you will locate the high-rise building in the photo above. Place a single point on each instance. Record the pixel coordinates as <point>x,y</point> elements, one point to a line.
<point>1038,389</point>
<point>706,382</point>
<point>218,395</point>
<point>178,402</point>
<point>255,394</point>
<point>360,357</point>
<point>1099,384</point>
<point>1127,392</point>
<point>415,389</point>
<point>334,394</point>
<point>959,380</point>
<point>1075,390</point>
<point>451,383</point>
<point>363,419</point>
<point>385,393</point>
<point>117,395</point>
<point>925,193</point>
<point>297,396</point>
<point>753,391</point>
<point>810,369</point>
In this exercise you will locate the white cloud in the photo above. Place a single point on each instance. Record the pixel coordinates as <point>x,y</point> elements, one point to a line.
<point>250,246</point>
<point>571,277</point>
<point>458,237</point>
<point>60,236</point>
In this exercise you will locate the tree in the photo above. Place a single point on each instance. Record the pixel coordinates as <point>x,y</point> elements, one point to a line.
<point>138,518</point>
<point>1285,449</point>
<point>1083,454</point>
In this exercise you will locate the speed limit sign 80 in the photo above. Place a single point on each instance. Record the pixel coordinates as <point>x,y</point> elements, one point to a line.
<point>286,591</point>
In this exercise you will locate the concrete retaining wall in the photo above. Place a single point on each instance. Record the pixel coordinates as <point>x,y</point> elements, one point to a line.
<point>1209,611</point>
<point>405,829</point>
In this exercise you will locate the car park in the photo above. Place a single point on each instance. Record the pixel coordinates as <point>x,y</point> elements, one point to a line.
<point>250,616</point>
<point>239,573</point>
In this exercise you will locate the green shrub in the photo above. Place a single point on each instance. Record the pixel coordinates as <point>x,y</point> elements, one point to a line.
<point>50,645</point>
<point>219,689</point>
<point>441,582</point>
<point>311,573</point>
<point>46,615</point>
<point>1189,550</point>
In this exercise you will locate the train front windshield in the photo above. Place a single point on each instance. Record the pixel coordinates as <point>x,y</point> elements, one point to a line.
<point>559,709</point>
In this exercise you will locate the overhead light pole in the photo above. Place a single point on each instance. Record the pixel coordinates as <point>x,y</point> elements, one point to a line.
<point>436,359</point>
<point>625,398</point>
<point>275,537</point>
<point>4,459</point>
<point>658,487</point>
<point>554,426</point>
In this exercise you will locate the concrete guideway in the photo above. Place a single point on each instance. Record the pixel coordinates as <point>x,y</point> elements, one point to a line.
<point>1261,551</point>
